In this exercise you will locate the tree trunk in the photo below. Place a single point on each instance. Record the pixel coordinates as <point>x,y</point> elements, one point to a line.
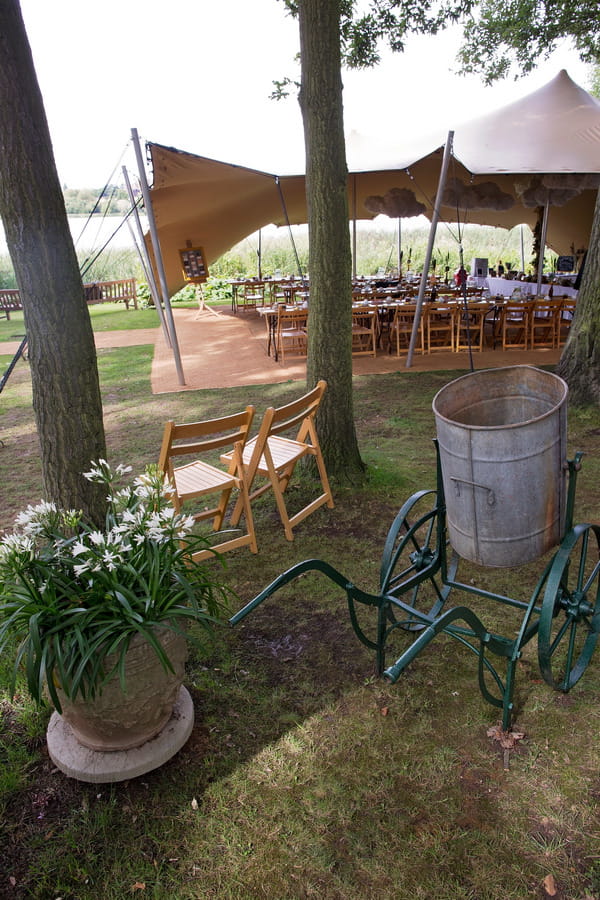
<point>580,361</point>
<point>66,391</point>
<point>330,265</point>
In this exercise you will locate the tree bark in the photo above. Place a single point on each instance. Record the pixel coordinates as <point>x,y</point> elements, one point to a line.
<point>579,364</point>
<point>66,391</point>
<point>330,264</point>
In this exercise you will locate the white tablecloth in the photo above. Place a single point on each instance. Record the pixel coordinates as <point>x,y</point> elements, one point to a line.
<point>505,288</point>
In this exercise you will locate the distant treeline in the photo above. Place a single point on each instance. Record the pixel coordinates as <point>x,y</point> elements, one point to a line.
<point>85,201</point>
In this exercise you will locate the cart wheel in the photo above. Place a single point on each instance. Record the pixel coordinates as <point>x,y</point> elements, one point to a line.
<point>412,557</point>
<point>565,645</point>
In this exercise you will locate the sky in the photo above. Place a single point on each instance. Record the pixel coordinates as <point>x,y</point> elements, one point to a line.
<point>197,75</point>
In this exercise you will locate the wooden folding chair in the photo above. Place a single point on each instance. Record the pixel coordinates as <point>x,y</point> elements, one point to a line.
<point>469,326</point>
<point>253,295</point>
<point>565,318</point>
<point>291,336</point>
<point>364,331</point>
<point>543,325</point>
<point>516,324</point>
<point>273,457</point>
<point>201,478</point>
<point>439,326</point>
<point>402,327</point>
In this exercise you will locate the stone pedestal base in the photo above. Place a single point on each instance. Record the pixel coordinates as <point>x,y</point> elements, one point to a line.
<point>97,766</point>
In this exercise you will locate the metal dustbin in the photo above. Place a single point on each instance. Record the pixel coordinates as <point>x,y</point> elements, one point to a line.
<point>502,436</point>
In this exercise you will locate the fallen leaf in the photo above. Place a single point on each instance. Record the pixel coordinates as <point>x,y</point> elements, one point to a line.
<point>384,711</point>
<point>138,886</point>
<point>507,739</point>
<point>194,803</point>
<point>550,885</point>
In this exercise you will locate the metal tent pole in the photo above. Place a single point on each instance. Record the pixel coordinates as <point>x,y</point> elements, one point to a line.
<point>259,254</point>
<point>399,248</point>
<point>143,253</point>
<point>354,226</point>
<point>157,255</point>
<point>434,220</point>
<point>540,270</point>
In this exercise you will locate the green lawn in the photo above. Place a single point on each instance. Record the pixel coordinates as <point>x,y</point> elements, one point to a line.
<point>104,316</point>
<point>306,776</point>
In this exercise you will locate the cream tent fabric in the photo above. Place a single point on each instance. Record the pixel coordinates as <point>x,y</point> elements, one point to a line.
<point>212,204</point>
<point>554,129</point>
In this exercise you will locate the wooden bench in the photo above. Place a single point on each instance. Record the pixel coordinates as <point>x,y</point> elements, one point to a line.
<point>123,291</point>
<point>112,292</point>
<point>10,301</point>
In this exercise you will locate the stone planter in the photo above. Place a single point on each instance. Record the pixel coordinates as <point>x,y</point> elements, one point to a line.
<point>115,720</point>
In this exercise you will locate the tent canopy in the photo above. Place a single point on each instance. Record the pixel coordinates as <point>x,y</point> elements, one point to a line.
<point>553,131</point>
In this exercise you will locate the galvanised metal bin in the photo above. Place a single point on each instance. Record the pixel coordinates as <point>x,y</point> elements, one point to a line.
<point>502,437</point>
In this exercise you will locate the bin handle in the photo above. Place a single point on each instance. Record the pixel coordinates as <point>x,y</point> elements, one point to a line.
<point>491,497</point>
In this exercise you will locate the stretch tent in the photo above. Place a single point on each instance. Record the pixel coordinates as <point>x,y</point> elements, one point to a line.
<point>204,202</point>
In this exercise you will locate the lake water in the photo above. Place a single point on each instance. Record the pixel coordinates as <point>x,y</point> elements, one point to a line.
<point>92,234</point>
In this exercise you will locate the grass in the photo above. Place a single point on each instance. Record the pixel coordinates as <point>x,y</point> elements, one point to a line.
<point>104,316</point>
<point>305,775</point>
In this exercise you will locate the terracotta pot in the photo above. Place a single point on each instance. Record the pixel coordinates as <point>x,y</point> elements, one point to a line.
<point>115,720</point>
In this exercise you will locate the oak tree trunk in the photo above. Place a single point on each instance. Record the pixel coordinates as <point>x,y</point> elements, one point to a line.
<point>62,355</point>
<point>580,361</point>
<point>330,264</point>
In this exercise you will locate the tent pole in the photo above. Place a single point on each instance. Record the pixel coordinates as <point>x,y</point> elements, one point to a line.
<point>434,221</point>
<point>259,254</point>
<point>399,248</point>
<point>143,253</point>
<point>157,254</point>
<point>540,270</point>
<point>354,226</point>
<point>289,227</point>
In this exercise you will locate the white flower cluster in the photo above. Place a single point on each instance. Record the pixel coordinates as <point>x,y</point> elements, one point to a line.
<point>139,516</point>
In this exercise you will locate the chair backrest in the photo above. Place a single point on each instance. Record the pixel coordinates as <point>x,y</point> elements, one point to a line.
<point>517,311</point>
<point>300,412</point>
<point>284,418</point>
<point>196,438</point>
<point>291,318</point>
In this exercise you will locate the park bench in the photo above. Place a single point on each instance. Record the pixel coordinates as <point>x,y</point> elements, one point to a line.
<point>123,291</point>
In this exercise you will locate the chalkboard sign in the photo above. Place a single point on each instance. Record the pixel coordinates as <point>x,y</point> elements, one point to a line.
<point>194,267</point>
<point>565,264</point>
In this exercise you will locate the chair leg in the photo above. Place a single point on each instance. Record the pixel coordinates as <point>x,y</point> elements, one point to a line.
<point>221,509</point>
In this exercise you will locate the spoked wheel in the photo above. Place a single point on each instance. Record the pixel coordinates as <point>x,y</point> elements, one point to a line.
<point>570,616</point>
<point>412,558</point>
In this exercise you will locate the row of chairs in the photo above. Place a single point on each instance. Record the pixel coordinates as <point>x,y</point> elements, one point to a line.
<point>253,294</point>
<point>537,323</point>
<point>231,461</point>
<point>443,326</point>
<point>514,325</point>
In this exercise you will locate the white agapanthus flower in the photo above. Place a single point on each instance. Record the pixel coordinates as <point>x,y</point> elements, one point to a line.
<point>78,548</point>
